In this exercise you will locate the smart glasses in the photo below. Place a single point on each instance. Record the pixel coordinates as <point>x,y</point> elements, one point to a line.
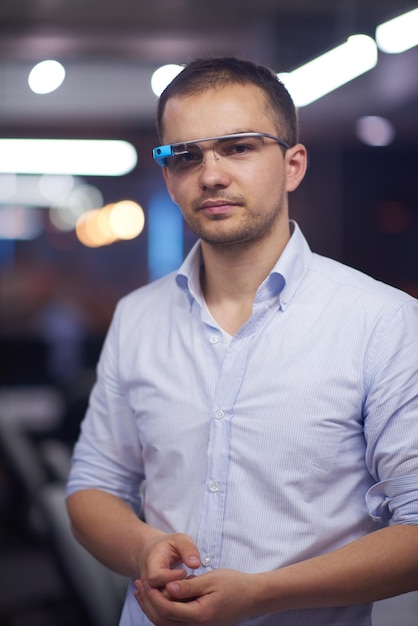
<point>239,146</point>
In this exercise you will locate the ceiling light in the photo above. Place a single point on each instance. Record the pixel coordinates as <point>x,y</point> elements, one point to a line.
<point>163,76</point>
<point>398,34</point>
<point>46,76</point>
<point>84,157</point>
<point>331,70</point>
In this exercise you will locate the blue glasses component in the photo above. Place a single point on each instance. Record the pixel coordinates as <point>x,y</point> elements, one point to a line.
<point>163,154</point>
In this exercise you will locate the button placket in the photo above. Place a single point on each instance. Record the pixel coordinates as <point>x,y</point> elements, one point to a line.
<point>214,500</point>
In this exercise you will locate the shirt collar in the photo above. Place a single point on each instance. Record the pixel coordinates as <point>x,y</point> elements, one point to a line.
<point>188,275</point>
<point>293,263</point>
<point>283,279</point>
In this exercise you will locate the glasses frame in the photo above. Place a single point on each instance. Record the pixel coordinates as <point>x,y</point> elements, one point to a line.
<point>162,153</point>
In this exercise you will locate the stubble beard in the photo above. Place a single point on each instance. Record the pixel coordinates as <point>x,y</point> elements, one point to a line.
<point>250,230</point>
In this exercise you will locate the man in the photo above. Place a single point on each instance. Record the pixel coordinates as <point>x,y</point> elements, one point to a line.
<point>259,407</point>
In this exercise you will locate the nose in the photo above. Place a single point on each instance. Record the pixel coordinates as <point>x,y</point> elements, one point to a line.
<point>212,171</point>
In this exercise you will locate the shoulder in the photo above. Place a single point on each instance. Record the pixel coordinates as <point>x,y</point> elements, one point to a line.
<point>353,283</point>
<point>145,307</point>
<point>147,296</point>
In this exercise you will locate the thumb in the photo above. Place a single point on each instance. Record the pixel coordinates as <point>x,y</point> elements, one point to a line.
<point>186,589</point>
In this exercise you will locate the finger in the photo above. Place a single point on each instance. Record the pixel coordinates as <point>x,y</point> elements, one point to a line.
<point>188,589</point>
<point>143,601</point>
<point>162,577</point>
<point>172,551</point>
<point>150,600</point>
<point>159,609</point>
<point>187,550</point>
<point>159,574</point>
<point>165,558</point>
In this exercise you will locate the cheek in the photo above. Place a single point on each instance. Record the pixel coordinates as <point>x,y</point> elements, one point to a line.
<point>173,188</point>
<point>264,181</point>
<point>180,193</point>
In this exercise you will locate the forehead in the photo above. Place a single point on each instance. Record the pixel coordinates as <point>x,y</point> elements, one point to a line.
<point>216,111</point>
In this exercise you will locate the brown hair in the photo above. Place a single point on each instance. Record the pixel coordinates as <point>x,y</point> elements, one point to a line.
<point>203,74</point>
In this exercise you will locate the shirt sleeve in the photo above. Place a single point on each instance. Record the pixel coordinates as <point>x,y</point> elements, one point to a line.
<point>391,418</point>
<point>107,455</point>
<point>397,496</point>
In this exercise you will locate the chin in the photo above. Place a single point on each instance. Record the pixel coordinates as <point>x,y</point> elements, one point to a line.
<point>229,241</point>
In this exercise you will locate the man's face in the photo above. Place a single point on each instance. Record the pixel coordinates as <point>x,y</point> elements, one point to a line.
<point>237,195</point>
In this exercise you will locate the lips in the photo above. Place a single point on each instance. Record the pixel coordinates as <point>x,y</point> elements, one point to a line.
<point>216,207</point>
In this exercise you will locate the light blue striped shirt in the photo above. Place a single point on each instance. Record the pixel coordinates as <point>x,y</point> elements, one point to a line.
<point>298,436</point>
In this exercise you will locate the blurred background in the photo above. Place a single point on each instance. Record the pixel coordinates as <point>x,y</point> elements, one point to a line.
<point>74,239</point>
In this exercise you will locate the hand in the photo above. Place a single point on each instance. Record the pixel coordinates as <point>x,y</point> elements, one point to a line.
<point>219,598</point>
<point>163,554</point>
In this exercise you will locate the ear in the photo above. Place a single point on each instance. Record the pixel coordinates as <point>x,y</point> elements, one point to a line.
<point>296,159</point>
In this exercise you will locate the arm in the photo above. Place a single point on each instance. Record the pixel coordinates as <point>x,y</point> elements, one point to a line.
<point>377,566</point>
<point>108,528</point>
<point>380,565</point>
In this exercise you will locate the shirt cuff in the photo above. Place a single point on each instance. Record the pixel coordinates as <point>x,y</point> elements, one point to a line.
<point>394,501</point>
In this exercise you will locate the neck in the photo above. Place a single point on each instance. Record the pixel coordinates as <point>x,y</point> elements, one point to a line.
<point>231,276</point>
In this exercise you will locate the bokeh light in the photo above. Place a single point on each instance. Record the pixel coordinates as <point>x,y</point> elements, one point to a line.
<point>122,220</point>
<point>127,219</point>
<point>65,212</point>
<point>46,76</point>
<point>374,130</point>
<point>163,76</point>
<point>55,187</point>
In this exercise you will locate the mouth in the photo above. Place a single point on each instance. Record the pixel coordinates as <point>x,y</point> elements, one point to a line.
<point>217,207</point>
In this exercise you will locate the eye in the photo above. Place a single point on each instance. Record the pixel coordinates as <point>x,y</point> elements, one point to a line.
<point>237,148</point>
<point>192,155</point>
<point>240,148</point>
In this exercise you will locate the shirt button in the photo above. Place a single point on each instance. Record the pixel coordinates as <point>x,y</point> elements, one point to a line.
<point>213,487</point>
<point>213,339</point>
<point>206,561</point>
<point>219,414</point>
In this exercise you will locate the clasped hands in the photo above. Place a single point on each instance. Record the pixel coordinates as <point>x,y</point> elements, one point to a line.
<point>168,596</point>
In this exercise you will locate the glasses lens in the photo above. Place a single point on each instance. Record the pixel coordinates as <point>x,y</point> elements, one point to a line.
<point>239,146</point>
<point>185,155</point>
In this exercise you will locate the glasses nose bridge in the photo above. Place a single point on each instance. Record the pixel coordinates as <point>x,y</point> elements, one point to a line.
<point>209,148</point>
